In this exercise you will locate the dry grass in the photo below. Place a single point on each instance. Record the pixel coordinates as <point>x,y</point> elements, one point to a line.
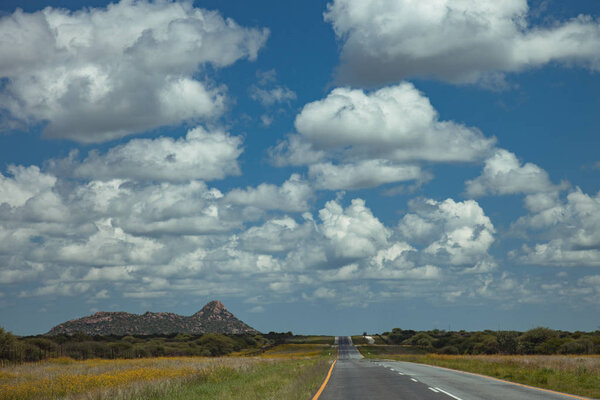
<point>573,374</point>
<point>58,378</point>
<point>293,350</point>
<point>291,371</point>
<point>312,339</point>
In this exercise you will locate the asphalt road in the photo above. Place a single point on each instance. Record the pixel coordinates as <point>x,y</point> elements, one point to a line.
<point>356,378</point>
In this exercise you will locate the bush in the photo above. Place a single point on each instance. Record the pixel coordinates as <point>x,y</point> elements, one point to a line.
<point>217,344</point>
<point>449,350</point>
<point>486,345</point>
<point>398,336</point>
<point>508,342</point>
<point>530,340</point>
<point>421,339</point>
<point>7,345</point>
<point>580,346</point>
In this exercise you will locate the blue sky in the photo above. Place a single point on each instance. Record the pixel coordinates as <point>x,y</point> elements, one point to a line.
<point>321,167</point>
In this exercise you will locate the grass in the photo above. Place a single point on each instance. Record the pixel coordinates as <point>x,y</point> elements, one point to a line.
<point>299,351</point>
<point>579,375</point>
<point>312,339</point>
<point>385,350</point>
<point>295,377</point>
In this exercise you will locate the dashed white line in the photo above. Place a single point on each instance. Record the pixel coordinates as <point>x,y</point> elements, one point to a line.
<point>400,373</point>
<point>449,394</point>
<point>414,380</point>
<point>433,390</point>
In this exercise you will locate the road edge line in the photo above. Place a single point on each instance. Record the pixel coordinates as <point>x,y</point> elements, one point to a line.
<point>325,381</point>
<point>574,396</point>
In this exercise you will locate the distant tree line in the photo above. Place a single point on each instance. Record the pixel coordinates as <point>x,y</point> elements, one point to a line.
<point>534,341</point>
<point>81,346</point>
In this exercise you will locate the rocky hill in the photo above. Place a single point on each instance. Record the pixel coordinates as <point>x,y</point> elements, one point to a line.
<point>213,317</point>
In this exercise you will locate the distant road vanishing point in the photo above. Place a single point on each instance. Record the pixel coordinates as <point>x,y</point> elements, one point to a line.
<point>355,378</point>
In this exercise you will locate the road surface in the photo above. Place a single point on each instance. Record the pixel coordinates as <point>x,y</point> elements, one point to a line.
<point>356,378</point>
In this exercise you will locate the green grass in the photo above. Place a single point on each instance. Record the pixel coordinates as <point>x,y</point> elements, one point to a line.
<point>295,350</point>
<point>375,351</point>
<point>311,339</point>
<point>578,375</point>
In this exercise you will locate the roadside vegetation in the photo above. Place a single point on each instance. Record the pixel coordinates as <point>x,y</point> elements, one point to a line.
<point>164,378</point>
<point>556,360</point>
<point>82,347</point>
<point>534,341</point>
<point>578,375</point>
<point>173,367</point>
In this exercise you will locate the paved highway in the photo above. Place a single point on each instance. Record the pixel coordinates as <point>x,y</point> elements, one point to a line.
<point>357,378</point>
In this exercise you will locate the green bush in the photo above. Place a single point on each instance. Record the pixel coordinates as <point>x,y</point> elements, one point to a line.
<point>217,344</point>
<point>530,340</point>
<point>7,344</point>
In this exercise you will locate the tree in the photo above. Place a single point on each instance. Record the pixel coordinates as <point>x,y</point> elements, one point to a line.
<point>7,345</point>
<point>534,338</point>
<point>508,342</point>
<point>217,344</point>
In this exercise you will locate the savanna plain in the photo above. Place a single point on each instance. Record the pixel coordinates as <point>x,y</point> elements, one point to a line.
<point>285,371</point>
<point>285,366</point>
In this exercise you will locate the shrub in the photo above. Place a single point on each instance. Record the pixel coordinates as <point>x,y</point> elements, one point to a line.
<point>217,344</point>
<point>7,344</point>
<point>508,342</point>
<point>529,340</point>
<point>449,350</point>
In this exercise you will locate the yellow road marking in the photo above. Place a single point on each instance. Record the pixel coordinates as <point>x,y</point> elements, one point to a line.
<point>325,382</point>
<point>512,383</point>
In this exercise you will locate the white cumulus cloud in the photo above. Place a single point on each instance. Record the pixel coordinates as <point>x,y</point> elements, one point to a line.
<point>504,174</point>
<point>103,73</point>
<point>364,174</point>
<point>571,229</point>
<point>462,41</point>
<point>354,139</point>
<point>200,155</point>
<point>353,232</point>
<point>458,233</point>
<point>293,195</point>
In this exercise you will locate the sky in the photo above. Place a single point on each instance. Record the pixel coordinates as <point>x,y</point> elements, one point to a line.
<point>321,167</point>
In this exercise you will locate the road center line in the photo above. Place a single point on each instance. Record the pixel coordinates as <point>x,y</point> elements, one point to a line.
<point>433,390</point>
<point>414,380</point>
<point>449,394</point>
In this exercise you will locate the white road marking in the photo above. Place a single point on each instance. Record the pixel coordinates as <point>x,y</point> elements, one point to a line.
<point>400,373</point>
<point>414,380</point>
<point>433,390</point>
<point>449,394</point>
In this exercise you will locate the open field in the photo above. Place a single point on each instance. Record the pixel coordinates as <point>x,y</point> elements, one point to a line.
<point>311,339</point>
<point>578,375</point>
<point>294,376</point>
<point>300,351</point>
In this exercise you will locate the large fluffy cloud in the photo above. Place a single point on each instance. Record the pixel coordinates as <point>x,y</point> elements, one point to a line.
<point>396,122</point>
<point>374,135</point>
<point>25,183</point>
<point>570,231</point>
<point>100,74</point>
<point>353,232</point>
<point>454,40</point>
<point>200,155</point>
<point>452,232</point>
<point>293,195</point>
<point>363,174</point>
<point>504,174</point>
